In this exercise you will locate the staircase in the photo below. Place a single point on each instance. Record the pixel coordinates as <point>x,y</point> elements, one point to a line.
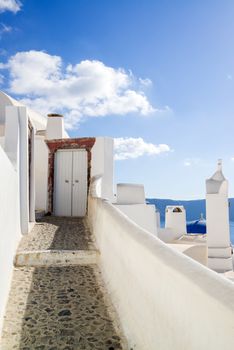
<point>57,298</point>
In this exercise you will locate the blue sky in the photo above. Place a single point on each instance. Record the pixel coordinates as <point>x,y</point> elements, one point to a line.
<point>168,64</point>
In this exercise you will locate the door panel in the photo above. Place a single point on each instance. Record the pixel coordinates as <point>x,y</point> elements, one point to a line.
<point>63,183</point>
<point>79,183</point>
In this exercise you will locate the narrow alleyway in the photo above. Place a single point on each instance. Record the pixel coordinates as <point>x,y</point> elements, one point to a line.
<point>59,307</point>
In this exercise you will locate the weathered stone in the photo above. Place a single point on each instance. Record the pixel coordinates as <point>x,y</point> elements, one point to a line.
<point>64,313</point>
<point>59,307</point>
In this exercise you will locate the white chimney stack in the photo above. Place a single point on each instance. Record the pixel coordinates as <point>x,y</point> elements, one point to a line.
<point>55,127</point>
<point>175,219</point>
<point>217,222</point>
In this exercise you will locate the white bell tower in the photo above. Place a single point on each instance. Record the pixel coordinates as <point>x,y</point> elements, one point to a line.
<point>217,222</point>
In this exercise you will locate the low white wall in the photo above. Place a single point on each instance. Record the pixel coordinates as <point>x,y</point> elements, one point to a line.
<point>164,299</point>
<point>142,214</point>
<point>9,225</point>
<point>41,173</point>
<point>130,194</point>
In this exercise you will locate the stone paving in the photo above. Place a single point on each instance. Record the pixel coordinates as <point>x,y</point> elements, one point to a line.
<point>59,307</point>
<point>57,233</point>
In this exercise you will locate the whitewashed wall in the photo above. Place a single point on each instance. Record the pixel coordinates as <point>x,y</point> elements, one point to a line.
<point>143,215</point>
<point>41,172</point>
<point>102,165</point>
<point>164,299</point>
<point>9,225</point>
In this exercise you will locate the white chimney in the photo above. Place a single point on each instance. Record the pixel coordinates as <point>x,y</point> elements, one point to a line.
<point>55,127</point>
<point>217,222</point>
<point>175,219</point>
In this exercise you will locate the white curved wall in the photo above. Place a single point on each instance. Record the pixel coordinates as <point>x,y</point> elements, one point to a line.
<point>164,299</point>
<point>9,225</point>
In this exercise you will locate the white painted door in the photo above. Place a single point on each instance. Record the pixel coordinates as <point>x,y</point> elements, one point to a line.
<point>62,183</point>
<point>70,183</point>
<point>79,184</point>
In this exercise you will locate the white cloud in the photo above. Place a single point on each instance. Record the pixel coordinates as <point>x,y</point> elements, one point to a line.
<point>130,147</point>
<point>191,161</point>
<point>86,89</point>
<point>4,29</point>
<point>145,82</point>
<point>10,5</point>
<point>187,163</point>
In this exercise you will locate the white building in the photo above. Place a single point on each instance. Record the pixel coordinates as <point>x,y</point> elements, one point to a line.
<point>158,288</point>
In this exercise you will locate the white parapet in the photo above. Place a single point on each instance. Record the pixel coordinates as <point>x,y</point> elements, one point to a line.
<point>143,215</point>
<point>130,200</point>
<point>217,222</point>
<point>130,194</point>
<point>159,293</point>
<point>175,220</point>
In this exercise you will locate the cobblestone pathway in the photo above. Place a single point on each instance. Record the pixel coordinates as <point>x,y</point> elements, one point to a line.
<point>58,233</point>
<point>65,307</point>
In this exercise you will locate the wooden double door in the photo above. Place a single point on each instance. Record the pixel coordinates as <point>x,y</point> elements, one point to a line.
<point>70,183</point>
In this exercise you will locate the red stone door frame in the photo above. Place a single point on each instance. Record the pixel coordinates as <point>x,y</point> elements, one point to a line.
<point>54,145</point>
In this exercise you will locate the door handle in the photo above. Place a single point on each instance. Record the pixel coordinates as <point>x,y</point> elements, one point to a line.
<point>77,181</point>
<point>67,181</point>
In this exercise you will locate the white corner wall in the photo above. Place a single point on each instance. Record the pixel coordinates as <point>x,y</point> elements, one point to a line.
<point>9,226</point>
<point>164,299</point>
<point>102,164</point>
<point>41,173</point>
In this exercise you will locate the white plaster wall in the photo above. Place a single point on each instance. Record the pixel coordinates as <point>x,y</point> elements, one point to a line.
<point>55,128</point>
<point>2,141</point>
<point>217,220</point>
<point>2,130</point>
<point>102,164</point>
<point>9,225</point>
<point>130,194</point>
<point>167,234</point>
<point>164,299</point>
<point>41,173</point>
<point>142,214</point>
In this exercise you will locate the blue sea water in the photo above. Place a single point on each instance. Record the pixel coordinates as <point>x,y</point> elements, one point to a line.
<point>231,229</point>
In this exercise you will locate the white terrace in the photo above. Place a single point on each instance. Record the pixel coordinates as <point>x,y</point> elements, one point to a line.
<point>98,272</point>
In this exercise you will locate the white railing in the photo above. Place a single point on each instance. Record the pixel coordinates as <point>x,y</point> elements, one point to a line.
<point>164,299</point>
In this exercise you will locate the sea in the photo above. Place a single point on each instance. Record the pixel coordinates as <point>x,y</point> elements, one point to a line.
<point>231,229</point>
